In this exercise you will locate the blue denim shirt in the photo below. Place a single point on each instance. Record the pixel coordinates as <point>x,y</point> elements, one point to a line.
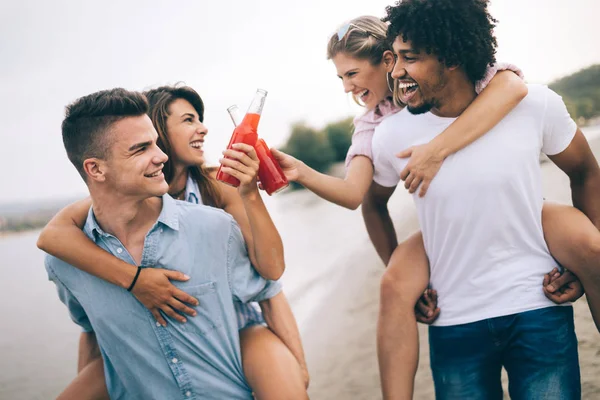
<point>247,314</point>
<point>196,360</point>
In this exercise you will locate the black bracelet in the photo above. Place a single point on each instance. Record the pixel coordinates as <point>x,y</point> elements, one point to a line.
<point>134,279</point>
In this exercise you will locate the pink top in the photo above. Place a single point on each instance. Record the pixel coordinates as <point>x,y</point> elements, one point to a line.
<point>365,124</point>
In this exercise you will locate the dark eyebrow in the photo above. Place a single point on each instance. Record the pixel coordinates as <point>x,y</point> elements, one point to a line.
<point>408,51</point>
<point>188,115</point>
<point>140,145</point>
<point>347,72</point>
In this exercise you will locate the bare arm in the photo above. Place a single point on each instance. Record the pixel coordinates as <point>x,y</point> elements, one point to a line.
<point>347,192</point>
<point>504,92</point>
<point>378,221</point>
<point>265,248</point>
<point>278,316</point>
<point>579,163</point>
<point>64,239</point>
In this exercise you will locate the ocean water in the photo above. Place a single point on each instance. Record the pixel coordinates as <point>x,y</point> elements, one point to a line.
<point>38,341</point>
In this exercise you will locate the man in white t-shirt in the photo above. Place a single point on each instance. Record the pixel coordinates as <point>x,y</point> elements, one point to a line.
<point>481,217</point>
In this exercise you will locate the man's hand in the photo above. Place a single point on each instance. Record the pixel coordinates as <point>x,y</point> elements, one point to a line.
<point>426,309</point>
<point>156,292</point>
<point>562,288</point>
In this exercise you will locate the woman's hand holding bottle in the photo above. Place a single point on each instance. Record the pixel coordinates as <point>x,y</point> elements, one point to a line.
<point>242,163</point>
<point>291,166</point>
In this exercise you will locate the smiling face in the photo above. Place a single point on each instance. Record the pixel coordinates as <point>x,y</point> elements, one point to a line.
<point>421,77</point>
<point>135,162</point>
<point>186,134</point>
<point>367,82</point>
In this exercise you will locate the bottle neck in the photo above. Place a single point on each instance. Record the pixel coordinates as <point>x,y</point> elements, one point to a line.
<point>235,115</point>
<point>258,102</point>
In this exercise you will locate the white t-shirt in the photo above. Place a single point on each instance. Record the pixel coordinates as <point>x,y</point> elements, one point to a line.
<point>481,217</point>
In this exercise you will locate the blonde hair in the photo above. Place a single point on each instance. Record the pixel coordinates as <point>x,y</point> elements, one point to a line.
<point>364,39</point>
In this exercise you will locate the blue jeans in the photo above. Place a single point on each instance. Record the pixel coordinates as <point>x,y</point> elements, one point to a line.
<point>538,349</point>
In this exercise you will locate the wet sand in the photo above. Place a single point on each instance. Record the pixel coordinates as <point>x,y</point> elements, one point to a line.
<point>339,335</point>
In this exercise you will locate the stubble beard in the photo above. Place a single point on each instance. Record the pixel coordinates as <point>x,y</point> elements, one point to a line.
<point>435,88</point>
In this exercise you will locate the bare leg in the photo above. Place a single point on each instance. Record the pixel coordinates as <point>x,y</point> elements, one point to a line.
<point>402,285</point>
<point>271,369</point>
<point>574,242</point>
<point>89,384</point>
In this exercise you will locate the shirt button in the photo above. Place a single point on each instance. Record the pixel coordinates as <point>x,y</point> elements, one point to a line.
<point>174,360</point>
<point>119,250</point>
<point>188,393</point>
<point>161,230</point>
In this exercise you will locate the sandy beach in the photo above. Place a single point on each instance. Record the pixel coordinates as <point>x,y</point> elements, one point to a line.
<point>339,335</point>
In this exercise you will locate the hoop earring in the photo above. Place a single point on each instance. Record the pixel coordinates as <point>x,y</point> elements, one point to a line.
<point>387,78</point>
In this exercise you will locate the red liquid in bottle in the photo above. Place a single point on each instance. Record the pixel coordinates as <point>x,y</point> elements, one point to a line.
<point>270,173</point>
<point>243,133</point>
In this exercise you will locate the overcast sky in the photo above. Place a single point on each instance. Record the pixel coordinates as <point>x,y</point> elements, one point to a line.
<point>52,52</point>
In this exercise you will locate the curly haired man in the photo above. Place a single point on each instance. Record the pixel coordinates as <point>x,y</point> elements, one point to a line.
<point>482,216</point>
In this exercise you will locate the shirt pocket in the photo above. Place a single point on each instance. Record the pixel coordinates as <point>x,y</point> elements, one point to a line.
<point>209,311</point>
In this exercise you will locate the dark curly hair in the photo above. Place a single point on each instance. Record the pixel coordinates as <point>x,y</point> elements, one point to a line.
<point>458,32</point>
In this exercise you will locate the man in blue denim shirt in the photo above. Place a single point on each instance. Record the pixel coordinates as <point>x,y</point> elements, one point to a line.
<point>112,143</point>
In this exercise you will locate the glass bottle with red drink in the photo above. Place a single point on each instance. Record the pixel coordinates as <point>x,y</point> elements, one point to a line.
<point>245,133</point>
<point>271,175</point>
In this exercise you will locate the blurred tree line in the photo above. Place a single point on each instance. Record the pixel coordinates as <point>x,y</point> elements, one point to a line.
<point>319,149</point>
<point>581,93</point>
<point>26,221</point>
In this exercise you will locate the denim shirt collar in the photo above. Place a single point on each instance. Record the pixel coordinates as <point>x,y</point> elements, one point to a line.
<point>192,191</point>
<point>168,216</point>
